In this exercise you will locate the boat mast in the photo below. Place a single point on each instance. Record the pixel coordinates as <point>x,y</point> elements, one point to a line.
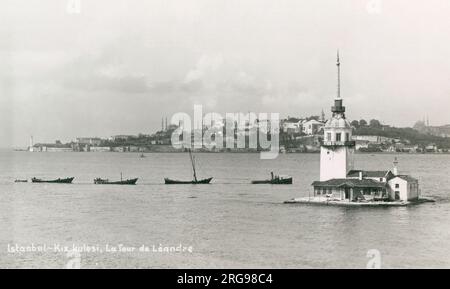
<point>193,164</point>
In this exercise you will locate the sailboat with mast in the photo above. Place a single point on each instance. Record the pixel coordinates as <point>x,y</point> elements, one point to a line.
<point>194,181</point>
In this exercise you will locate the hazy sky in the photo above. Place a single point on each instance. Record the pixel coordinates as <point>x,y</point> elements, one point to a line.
<point>119,66</point>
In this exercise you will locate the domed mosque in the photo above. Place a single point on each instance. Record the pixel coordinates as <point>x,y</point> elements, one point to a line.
<point>339,181</point>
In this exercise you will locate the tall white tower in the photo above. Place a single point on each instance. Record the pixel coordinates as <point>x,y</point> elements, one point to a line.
<point>336,152</point>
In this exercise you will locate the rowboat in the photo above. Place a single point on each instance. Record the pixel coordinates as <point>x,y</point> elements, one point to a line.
<point>57,181</point>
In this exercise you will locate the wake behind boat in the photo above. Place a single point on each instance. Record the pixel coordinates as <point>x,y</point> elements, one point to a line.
<point>195,181</point>
<point>57,181</point>
<point>275,180</point>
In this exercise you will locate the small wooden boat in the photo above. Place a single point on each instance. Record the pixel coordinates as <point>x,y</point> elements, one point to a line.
<point>100,181</point>
<point>21,181</point>
<point>275,180</point>
<point>194,181</point>
<point>57,181</point>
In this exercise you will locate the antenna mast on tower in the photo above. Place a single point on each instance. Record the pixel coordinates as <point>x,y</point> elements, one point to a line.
<point>338,64</point>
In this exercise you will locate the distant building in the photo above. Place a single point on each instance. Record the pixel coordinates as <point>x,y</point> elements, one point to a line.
<point>58,149</point>
<point>122,137</point>
<point>361,144</point>
<point>368,138</point>
<point>291,127</point>
<point>431,148</point>
<point>312,127</point>
<point>94,141</point>
<point>99,149</point>
<point>51,147</point>
<point>373,139</point>
<point>119,149</point>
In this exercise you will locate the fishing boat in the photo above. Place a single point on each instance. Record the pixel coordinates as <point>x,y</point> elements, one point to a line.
<point>57,181</point>
<point>100,181</point>
<point>275,180</point>
<point>194,181</point>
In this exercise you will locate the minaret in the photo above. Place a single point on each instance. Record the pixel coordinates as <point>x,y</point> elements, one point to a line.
<point>395,172</point>
<point>336,152</point>
<point>31,148</point>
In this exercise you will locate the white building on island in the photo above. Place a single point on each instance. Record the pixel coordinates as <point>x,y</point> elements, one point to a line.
<point>339,181</point>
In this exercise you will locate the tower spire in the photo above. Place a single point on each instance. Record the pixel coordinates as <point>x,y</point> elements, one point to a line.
<point>338,109</point>
<point>338,64</point>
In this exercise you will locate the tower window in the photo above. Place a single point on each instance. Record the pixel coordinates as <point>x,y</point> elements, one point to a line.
<point>347,136</point>
<point>338,136</point>
<point>329,136</point>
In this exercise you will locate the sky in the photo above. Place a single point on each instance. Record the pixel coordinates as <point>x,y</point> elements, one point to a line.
<point>71,68</point>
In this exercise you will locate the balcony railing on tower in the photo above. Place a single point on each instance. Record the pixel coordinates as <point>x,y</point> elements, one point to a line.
<point>350,143</point>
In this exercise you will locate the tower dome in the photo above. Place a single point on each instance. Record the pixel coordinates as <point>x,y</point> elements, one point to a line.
<point>337,122</point>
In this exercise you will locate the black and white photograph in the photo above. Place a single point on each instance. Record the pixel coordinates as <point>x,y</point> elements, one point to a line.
<point>226,135</point>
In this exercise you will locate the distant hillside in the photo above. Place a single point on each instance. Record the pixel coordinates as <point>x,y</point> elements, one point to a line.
<point>410,134</point>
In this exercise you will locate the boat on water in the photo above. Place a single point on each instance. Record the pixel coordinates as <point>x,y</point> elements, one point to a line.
<point>194,181</point>
<point>100,181</point>
<point>57,181</point>
<point>21,181</point>
<point>275,180</point>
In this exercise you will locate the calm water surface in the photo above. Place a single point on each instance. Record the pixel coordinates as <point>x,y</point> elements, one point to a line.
<point>229,223</point>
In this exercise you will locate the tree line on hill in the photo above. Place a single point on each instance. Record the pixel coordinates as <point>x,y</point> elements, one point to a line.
<point>375,127</point>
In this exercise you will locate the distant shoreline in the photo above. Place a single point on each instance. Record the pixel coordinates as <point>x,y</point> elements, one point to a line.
<point>231,152</point>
